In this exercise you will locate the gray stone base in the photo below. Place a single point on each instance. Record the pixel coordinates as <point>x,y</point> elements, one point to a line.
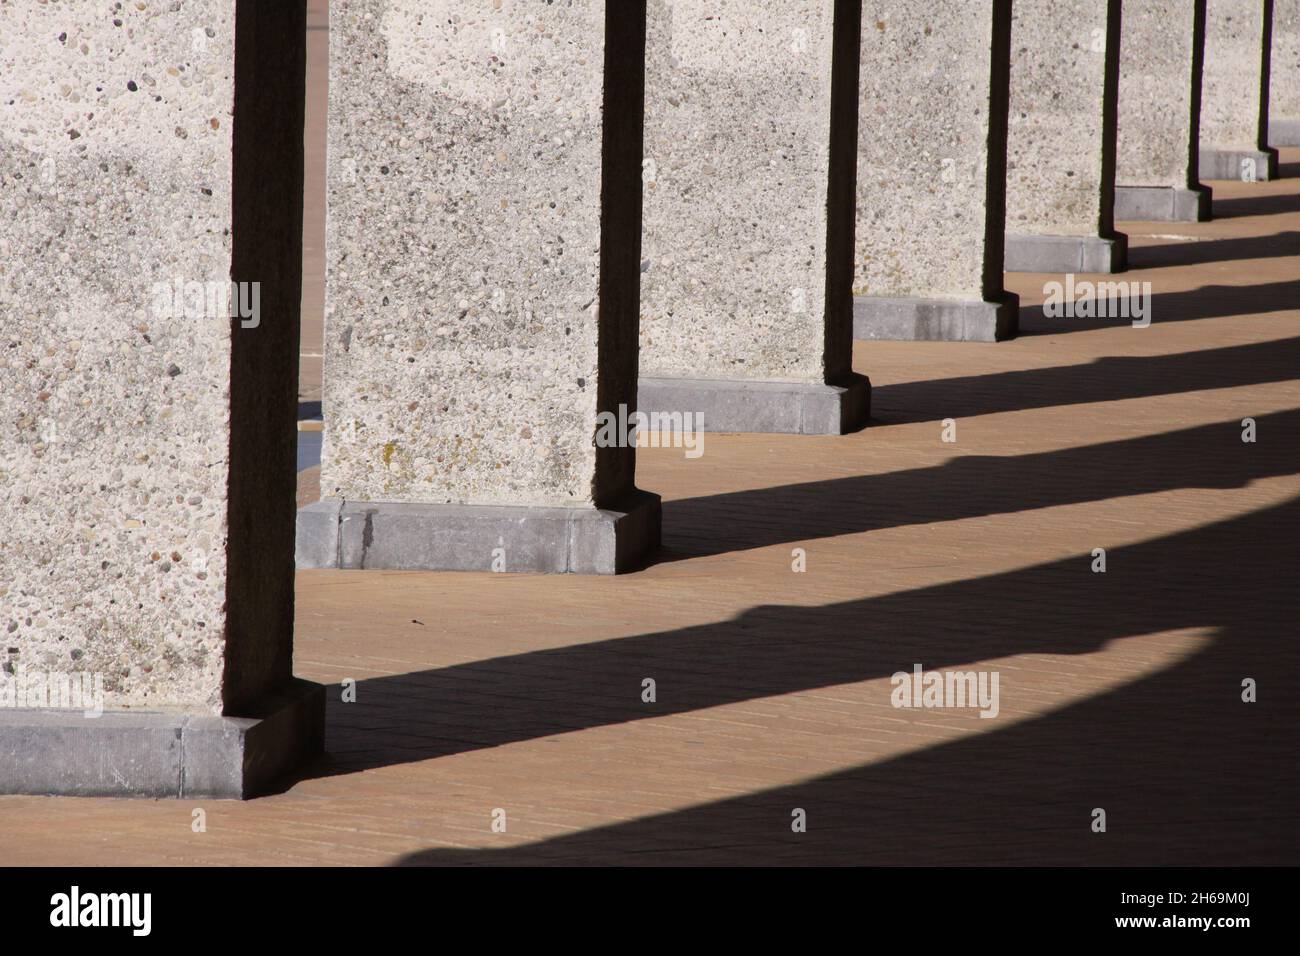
<point>935,320</point>
<point>152,754</point>
<point>734,405</point>
<point>1162,204</point>
<point>1227,164</point>
<point>402,536</point>
<point>1284,132</point>
<point>1066,254</point>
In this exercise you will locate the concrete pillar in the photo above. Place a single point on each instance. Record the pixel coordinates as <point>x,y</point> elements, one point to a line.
<point>1061,142</point>
<point>931,198</point>
<point>482,262</point>
<point>746,308</point>
<point>150,157</point>
<point>1161,55</point>
<point>1284,75</point>
<point>1234,93</point>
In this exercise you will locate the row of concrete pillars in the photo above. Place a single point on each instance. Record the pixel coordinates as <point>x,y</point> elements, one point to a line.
<point>547,224</point>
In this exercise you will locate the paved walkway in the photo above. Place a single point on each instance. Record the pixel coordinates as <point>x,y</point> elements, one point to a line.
<point>481,692</point>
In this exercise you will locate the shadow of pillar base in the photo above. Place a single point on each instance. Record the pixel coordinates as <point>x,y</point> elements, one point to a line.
<point>153,754</point>
<point>1243,165</point>
<point>1284,132</point>
<point>413,536</point>
<point>935,320</point>
<point>738,405</point>
<point>1163,204</point>
<point>1026,253</point>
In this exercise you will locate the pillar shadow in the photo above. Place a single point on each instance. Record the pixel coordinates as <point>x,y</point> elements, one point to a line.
<point>1109,379</point>
<point>1243,206</point>
<point>1191,580</point>
<point>1281,245</point>
<point>972,486</point>
<point>1186,771</point>
<point>1207,302</point>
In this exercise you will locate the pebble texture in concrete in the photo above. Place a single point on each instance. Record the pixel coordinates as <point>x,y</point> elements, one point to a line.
<point>146,454</point>
<point>931,150</point>
<point>481,304</point>
<point>1061,141</point>
<point>1159,93</point>
<point>1284,75</point>
<point>738,164</point>
<point>1234,93</point>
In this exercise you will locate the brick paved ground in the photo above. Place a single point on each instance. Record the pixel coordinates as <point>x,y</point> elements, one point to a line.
<point>1120,691</point>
